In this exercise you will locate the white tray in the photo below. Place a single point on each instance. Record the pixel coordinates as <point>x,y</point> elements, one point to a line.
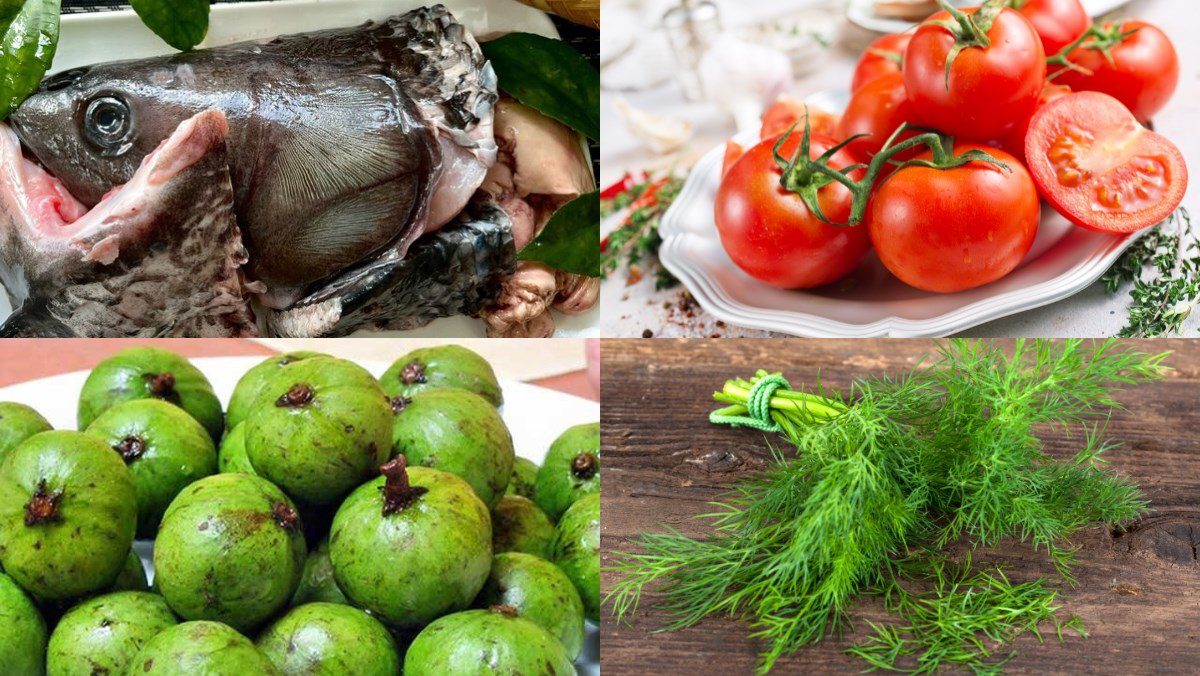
<point>109,36</point>
<point>871,302</point>
<point>534,415</point>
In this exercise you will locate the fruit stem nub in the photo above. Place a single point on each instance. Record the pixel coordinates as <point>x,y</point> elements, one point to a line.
<point>399,403</point>
<point>296,396</point>
<point>162,385</point>
<point>131,448</point>
<point>43,506</point>
<point>284,515</point>
<point>414,372</point>
<point>506,609</point>
<point>398,493</point>
<point>584,466</point>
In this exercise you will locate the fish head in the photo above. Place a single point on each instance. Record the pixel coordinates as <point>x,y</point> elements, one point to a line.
<point>90,127</point>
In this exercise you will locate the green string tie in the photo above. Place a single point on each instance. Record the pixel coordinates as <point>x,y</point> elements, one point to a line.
<point>758,405</point>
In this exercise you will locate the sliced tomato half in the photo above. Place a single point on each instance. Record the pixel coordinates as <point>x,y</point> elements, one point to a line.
<point>1101,169</point>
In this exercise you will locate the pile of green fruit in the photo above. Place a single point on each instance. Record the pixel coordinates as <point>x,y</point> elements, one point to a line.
<point>328,522</point>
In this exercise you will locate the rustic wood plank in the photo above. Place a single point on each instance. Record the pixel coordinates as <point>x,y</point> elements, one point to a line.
<point>1138,591</point>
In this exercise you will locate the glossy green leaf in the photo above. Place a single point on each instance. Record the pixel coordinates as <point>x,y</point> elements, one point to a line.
<point>180,23</point>
<point>9,10</point>
<point>550,77</point>
<point>571,240</point>
<point>27,51</point>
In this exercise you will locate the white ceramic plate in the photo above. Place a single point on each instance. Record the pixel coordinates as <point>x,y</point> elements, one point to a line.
<point>534,415</point>
<point>862,13</point>
<point>870,302</point>
<point>108,36</point>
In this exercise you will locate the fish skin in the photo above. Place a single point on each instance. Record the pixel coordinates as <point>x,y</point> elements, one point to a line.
<point>457,270</point>
<point>158,258</point>
<point>339,145</point>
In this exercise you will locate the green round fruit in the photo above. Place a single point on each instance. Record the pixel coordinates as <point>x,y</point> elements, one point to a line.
<point>232,456</point>
<point>68,510</point>
<point>248,389</point>
<point>230,549</point>
<point>541,593</point>
<point>201,649</point>
<point>570,471</point>
<point>458,432</point>
<point>577,551</point>
<point>524,478</point>
<point>150,373</point>
<point>164,447</point>
<point>518,525</point>
<point>486,642</point>
<point>103,635</point>
<point>330,639</point>
<point>431,368</point>
<point>132,576</point>
<point>18,422</point>
<point>317,583</point>
<point>319,428</point>
<point>23,633</point>
<point>424,522</point>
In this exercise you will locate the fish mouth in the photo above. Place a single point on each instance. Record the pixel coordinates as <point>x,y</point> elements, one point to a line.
<point>46,212</point>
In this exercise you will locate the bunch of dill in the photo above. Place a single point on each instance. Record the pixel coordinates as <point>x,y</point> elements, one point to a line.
<point>882,480</point>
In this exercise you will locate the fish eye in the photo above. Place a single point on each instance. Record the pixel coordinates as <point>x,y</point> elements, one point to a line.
<point>107,123</point>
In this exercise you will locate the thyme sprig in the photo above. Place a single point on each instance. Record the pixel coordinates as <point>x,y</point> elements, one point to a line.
<point>947,453</point>
<point>1164,267</point>
<point>637,239</point>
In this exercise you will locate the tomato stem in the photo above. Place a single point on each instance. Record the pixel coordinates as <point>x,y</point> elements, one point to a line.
<point>1102,38</point>
<point>969,30</point>
<point>806,176</point>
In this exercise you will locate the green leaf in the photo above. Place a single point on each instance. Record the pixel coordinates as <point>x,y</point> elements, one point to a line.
<point>9,10</point>
<point>550,77</point>
<point>570,242</point>
<point>26,52</point>
<point>180,23</point>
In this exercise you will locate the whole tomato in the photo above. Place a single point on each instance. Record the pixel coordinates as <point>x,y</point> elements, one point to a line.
<point>769,232</point>
<point>884,55</point>
<point>787,112</point>
<point>987,89</point>
<point>877,110</point>
<point>947,230</point>
<point>1132,61</point>
<point>1014,143</point>
<point>1057,22</point>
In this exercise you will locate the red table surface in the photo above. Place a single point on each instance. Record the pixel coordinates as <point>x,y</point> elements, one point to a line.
<point>27,359</point>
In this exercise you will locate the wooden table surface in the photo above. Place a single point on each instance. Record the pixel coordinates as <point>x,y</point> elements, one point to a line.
<point>27,359</point>
<point>1138,591</point>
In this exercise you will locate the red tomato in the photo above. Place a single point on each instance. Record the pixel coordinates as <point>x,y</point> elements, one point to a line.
<point>733,153</point>
<point>881,57</point>
<point>770,233</point>
<point>947,230</point>
<point>877,109</point>
<point>1057,22</point>
<point>1142,74</point>
<point>1097,166</point>
<point>989,89</point>
<point>787,112</point>
<point>1014,143</point>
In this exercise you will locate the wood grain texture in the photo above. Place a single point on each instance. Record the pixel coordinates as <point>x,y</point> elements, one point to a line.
<point>1138,590</point>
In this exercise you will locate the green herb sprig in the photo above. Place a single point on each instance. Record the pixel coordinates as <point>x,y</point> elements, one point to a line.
<point>947,453</point>
<point>1164,267</point>
<point>637,240</point>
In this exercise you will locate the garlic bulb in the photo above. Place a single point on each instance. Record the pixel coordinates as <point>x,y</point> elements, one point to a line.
<point>659,133</point>
<point>742,78</point>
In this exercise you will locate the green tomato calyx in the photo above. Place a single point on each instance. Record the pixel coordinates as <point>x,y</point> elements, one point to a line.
<point>398,493</point>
